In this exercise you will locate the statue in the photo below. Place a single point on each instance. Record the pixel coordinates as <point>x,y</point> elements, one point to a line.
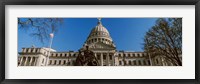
<point>86,58</point>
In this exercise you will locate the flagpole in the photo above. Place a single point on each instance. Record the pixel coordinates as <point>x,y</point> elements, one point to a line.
<point>49,51</point>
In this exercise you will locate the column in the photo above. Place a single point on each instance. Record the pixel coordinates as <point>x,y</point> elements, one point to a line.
<point>21,61</point>
<point>62,62</point>
<point>101,59</point>
<point>113,59</point>
<point>31,61</point>
<point>95,54</point>
<point>25,64</point>
<point>136,62</point>
<point>107,59</point>
<point>35,63</point>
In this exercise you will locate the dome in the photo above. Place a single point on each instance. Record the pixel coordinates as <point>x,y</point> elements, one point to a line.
<point>99,34</point>
<point>100,28</point>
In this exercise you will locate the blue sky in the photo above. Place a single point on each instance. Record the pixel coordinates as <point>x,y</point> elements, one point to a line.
<point>127,33</point>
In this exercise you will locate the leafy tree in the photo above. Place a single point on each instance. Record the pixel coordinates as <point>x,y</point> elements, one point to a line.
<point>165,39</point>
<point>40,27</point>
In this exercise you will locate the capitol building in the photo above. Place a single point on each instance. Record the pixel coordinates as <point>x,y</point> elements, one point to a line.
<point>100,43</point>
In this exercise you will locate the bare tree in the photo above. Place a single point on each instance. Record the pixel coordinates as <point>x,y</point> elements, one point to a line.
<point>165,39</point>
<point>41,27</point>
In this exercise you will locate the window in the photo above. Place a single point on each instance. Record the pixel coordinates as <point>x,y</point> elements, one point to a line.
<point>125,55</point>
<point>64,62</point>
<point>59,62</point>
<point>129,55</point>
<point>95,40</point>
<point>148,62</point>
<point>36,50</point>
<point>104,57</point>
<point>119,55</point>
<point>129,62</point>
<point>110,56</point>
<point>134,62</point>
<point>31,50</point>
<point>27,50</point>
<point>120,62</point>
<point>98,57</point>
<point>139,62</point>
<point>144,62</point>
<point>133,55</point>
<point>124,62</point>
